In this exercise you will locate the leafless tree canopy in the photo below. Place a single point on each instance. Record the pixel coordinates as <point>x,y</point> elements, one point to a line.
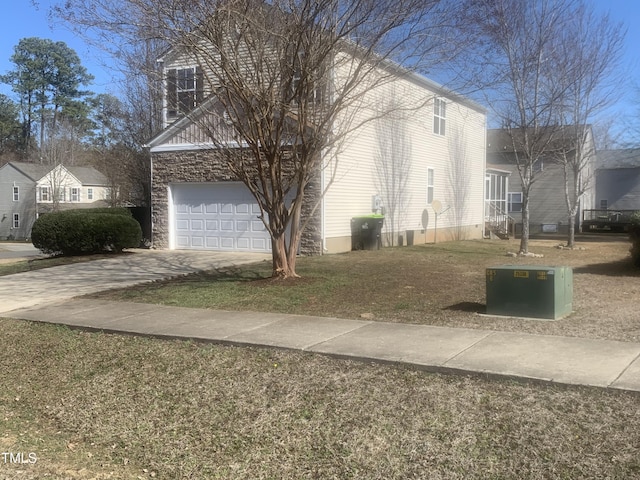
<point>544,65</point>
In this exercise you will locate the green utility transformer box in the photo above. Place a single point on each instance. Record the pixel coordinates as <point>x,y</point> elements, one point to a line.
<point>530,291</point>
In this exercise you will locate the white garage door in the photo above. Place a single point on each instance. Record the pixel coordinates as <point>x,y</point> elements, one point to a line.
<point>217,216</point>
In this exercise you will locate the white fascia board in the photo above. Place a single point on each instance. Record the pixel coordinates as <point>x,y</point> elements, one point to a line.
<point>181,147</point>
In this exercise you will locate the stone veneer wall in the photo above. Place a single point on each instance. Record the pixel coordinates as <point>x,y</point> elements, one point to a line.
<point>194,166</point>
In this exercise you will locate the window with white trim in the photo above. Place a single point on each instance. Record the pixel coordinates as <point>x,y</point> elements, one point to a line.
<point>16,220</point>
<point>45,194</point>
<point>16,194</point>
<point>89,193</point>
<point>184,90</point>
<point>430,185</point>
<point>439,116</point>
<point>75,194</point>
<point>515,202</point>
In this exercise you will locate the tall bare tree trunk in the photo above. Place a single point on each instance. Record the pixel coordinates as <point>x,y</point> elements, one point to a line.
<point>524,237</point>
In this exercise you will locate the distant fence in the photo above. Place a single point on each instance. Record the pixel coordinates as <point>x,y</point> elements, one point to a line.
<point>606,220</point>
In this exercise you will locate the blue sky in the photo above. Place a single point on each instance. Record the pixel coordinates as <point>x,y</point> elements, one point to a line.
<point>24,18</point>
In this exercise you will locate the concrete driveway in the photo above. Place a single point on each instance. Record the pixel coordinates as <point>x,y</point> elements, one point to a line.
<point>49,285</point>
<point>18,250</point>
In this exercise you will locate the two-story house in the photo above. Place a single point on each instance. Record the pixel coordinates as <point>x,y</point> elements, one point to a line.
<point>198,202</point>
<point>547,202</point>
<point>28,190</point>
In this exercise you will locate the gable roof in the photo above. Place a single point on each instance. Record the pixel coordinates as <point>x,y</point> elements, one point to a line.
<point>499,139</point>
<point>619,158</point>
<point>85,175</point>
<point>34,171</point>
<point>88,175</point>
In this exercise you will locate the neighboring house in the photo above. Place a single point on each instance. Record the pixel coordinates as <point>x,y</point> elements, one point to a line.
<point>547,202</point>
<point>618,180</point>
<point>197,203</point>
<point>617,191</point>
<point>30,189</point>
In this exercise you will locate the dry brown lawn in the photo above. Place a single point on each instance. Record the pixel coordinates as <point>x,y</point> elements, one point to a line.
<point>440,284</point>
<point>97,406</point>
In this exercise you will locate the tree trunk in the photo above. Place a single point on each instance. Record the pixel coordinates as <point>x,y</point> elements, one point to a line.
<point>571,241</point>
<point>524,238</point>
<point>282,266</point>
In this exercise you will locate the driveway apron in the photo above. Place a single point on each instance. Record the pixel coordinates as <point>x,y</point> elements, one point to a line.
<point>56,284</point>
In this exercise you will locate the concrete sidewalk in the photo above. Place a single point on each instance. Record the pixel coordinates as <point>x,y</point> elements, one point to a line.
<point>574,361</point>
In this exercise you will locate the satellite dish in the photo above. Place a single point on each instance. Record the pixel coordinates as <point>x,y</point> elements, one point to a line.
<point>437,206</point>
<point>425,218</point>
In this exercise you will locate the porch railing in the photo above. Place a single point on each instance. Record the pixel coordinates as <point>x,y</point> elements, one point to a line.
<point>498,221</point>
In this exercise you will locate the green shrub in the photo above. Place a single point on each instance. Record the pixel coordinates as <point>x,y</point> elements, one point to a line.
<point>634,236</point>
<point>77,232</point>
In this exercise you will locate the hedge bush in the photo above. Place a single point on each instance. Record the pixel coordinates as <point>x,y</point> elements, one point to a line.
<point>77,232</point>
<point>634,236</point>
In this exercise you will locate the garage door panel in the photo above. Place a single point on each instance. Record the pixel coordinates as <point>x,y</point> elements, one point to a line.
<point>212,226</point>
<point>242,209</point>
<point>213,243</point>
<point>227,243</point>
<point>260,244</point>
<point>217,216</point>
<point>226,225</point>
<point>197,242</point>
<point>212,208</point>
<point>242,226</point>
<point>227,208</point>
<point>255,210</point>
<point>258,226</point>
<point>183,241</point>
<point>197,225</point>
<point>182,225</point>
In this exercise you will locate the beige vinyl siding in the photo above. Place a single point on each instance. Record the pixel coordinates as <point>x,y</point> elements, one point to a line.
<point>355,181</point>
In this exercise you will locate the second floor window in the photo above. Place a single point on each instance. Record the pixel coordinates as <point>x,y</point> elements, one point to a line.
<point>184,90</point>
<point>306,81</point>
<point>16,194</point>
<point>439,116</point>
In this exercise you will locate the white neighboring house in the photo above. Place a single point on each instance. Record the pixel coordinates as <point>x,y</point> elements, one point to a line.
<point>28,190</point>
<point>197,203</point>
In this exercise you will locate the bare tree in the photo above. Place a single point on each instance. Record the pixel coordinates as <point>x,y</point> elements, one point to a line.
<point>515,41</point>
<point>393,167</point>
<point>586,59</point>
<point>292,78</point>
